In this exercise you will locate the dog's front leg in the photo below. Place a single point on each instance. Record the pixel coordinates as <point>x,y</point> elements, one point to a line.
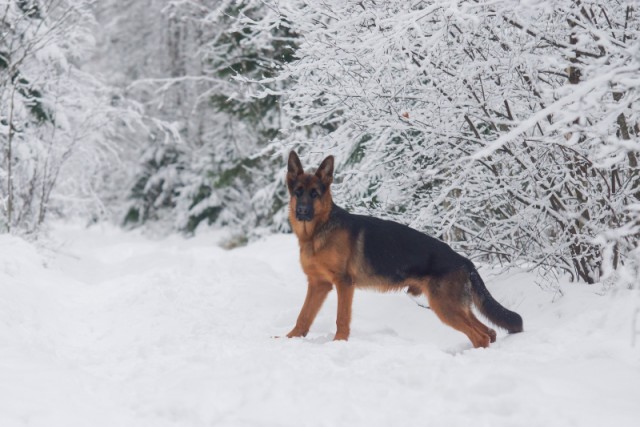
<point>317,292</point>
<point>343,319</point>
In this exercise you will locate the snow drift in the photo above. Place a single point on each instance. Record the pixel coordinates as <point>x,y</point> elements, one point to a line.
<point>108,328</point>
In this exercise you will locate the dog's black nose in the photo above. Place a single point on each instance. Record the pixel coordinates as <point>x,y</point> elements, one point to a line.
<point>303,213</point>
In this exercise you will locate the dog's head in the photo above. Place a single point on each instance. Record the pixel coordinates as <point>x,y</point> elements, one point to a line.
<point>310,193</point>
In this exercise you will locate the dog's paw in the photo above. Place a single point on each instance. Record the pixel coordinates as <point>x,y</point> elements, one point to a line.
<point>296,334</point>
<point>341,337</point>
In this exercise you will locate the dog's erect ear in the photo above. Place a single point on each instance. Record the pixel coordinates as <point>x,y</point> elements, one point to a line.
<point>294,167</point>
<point>325,171</point>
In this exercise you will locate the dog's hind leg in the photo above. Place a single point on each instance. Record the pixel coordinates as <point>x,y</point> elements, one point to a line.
<point>450,299</point>
<point>460,319</point>
<point>482,327</point>
<point>317,292</point>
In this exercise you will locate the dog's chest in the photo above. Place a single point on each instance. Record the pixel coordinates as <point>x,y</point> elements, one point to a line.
<point>319,261</point>
<point>311,257</point>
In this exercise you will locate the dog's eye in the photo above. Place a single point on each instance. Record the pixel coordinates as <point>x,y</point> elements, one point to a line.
<point>314,193</point>
<point>298,192</point>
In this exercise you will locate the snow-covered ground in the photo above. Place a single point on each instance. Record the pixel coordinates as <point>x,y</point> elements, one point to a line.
<point>111,328</point>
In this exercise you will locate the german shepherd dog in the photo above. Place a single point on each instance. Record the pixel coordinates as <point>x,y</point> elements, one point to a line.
<point>348,251</point>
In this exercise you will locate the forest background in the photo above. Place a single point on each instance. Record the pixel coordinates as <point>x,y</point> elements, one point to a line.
<point>509,129</point>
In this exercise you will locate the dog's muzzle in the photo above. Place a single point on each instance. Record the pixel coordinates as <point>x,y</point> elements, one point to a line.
<point>304,213</point>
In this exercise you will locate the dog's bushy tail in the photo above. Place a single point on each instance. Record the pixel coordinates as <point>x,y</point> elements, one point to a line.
<point>491,308</point>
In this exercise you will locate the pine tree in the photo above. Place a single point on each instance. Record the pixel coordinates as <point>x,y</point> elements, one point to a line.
<point>238,45</point>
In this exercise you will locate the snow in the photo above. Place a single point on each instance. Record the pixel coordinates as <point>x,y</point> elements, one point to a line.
<point>104,327</point>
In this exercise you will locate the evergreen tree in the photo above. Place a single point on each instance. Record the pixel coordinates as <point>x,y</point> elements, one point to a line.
<point>225,164</point>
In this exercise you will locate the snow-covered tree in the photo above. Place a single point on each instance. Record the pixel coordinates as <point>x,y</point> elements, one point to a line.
<point>509,129</point>
<point>54,117</point>
<point>218,50</point>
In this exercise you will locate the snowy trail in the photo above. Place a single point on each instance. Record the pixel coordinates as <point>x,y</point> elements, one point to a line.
<point>115,329</point>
